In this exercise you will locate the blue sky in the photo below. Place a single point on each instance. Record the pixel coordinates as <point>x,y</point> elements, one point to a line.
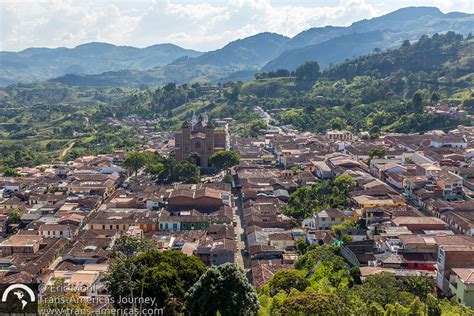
<point>201,25</point>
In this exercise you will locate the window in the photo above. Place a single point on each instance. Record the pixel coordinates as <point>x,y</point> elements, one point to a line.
<point>333,219</point>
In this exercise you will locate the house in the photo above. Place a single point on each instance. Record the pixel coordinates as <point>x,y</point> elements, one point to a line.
<point>379,214</point>
<point>461,285</point>
<point>223,251</point>
<point>450,257</point>
<point>448,184</point>
<point>57,231</point>
<point>21,244</point>
<point>449,141</point>
<point>282,240</point>
<point>328,218</point>
<point>359,253</point>
<point>366,200</point>
<point>322,170</point>
<point>335,135</point>
<point>320,237</point>
<point>199,197</point>
<point>420,223</point>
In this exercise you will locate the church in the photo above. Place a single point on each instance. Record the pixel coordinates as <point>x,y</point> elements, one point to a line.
<point>201,137</point>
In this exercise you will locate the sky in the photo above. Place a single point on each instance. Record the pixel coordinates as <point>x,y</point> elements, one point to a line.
<point>200,25</point>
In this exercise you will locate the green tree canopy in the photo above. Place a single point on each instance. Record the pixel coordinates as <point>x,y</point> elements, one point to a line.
<point>417,102</point>
<point>310,302</point>
<point>130,246</point>
<point>322,195</point>
<point>10,172</point>
<point>223,159</point>
<point>222,289</point>
<point>326,255</point>
<point>164,275</point>
<point>286,280</point>
<point>378,152</point>
<point>309,71</point>
<point>134,161</point>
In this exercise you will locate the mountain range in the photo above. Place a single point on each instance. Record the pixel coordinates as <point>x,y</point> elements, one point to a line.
<point>100,64</point>
<point>92,58</point>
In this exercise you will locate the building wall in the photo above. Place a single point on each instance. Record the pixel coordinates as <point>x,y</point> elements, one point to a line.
<point>205,147</point>
<point>464,293</point>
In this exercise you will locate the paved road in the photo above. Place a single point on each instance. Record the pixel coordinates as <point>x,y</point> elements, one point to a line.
<point>239,239</point>
<point>239,229</point>
<point>267,118</point>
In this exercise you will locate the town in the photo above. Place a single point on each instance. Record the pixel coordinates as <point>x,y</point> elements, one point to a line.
<point>401,204</point>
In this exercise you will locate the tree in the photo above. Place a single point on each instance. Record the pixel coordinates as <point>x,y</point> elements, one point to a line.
<point>154,168</point>
<point>134,161</point>
<point>187,172</point>
<point>374,131</point>
<point>379,152</point>
<point>311,302</point>
<point>344,183</point>
<point>14,218</point>
<point>420,286</point>
<point>417,102</point>
<point>164,275</point>
<point>224,159</point>
<point>222,289</point>
<point>301,246</point>
<point>325,255</point>
<point>302,203</point>
<point>309,71</point>
<point>382,288</point>
<point>253,128</point>
<point>233,95</point>
<point>195,158</point>
<point>468,104</point>
<point>286,280</point>
<point>10,172</point>
<point>434,97</point>
<point>183,171</point>
<point>129,246</point>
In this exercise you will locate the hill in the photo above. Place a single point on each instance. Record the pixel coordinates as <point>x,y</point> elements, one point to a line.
<point>251,51</point>
<point>237,60</point>
<point>92,58</point>
<point>385,32</point>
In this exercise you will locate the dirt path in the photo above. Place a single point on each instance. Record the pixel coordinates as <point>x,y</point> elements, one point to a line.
<point>66,150</point>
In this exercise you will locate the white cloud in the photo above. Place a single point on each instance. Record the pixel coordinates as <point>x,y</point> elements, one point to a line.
<point>202,25</point>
